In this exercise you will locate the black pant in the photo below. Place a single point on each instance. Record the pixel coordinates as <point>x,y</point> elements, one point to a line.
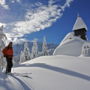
<point>9,64</point>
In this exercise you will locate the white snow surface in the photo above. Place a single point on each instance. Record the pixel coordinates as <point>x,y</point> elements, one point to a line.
<point>79,24</point>
<point>70,45</point>
<point>49,73</point>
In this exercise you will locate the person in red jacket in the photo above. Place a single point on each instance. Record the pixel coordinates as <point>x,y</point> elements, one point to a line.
<point>8,53</point>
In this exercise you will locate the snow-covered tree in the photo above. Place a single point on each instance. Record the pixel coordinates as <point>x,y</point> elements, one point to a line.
<point>2,45</point>
<point>26,51</point>
<point>34,49</point>
<point>25,54</point>
<point>44,47</point>
<point>22,57</point>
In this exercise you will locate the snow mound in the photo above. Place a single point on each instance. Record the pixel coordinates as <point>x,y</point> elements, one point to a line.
<point>70,45</point>
<point>79,24</point>
<point>49,73</point>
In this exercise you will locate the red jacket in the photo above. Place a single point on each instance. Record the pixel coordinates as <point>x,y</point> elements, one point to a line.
<point>7,51</point>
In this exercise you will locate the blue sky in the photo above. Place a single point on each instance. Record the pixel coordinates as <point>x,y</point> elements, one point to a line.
<point>54,27</point>
<point>64,25</point>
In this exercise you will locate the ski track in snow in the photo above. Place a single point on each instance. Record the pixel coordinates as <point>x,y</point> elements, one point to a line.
<point>58,72</point>
<point>14,80</point>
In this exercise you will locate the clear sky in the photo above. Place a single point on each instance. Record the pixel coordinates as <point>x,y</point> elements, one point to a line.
<point>38,18</point>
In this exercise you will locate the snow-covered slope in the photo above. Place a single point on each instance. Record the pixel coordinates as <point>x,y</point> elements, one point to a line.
<point>49,73</point>
<point>70,45</point>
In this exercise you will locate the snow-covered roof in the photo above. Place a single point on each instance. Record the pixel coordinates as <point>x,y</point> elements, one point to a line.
<point>79,24</point>
<point>70,45</point>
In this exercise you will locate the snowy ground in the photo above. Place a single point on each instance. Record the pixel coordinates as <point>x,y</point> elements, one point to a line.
<point>49,73</point>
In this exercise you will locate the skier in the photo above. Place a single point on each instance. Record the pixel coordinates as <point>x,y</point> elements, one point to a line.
<point>8,54</point>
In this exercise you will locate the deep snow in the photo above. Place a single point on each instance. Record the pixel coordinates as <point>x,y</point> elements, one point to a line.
<point>49,73</point>
<point>70,45</point>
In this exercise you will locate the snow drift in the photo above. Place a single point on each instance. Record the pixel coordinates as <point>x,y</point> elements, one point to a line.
<point>70,45</point>
<point>49,73</point>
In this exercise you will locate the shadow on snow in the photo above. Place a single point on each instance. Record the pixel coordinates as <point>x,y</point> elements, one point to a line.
<point>60,70</point>
<point>22,83</point>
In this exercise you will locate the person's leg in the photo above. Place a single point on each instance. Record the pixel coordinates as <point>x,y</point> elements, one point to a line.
<point>9,65</point>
